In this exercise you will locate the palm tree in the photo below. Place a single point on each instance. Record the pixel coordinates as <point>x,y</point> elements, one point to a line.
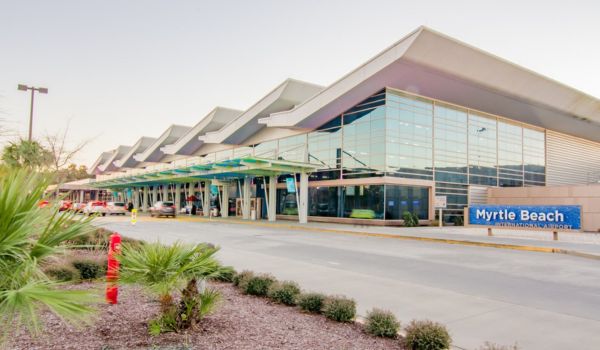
<point>163,270</point>
<point>29,154</point>
<point>28,236</point>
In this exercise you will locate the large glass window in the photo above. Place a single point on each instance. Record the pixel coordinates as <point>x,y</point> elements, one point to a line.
<point>482,150</point>
<point>510,155</point>
<point>324,149</point>
<point>323,201</point>
<point>400,199</point>
<point>363,152</point>
<point>534,157</point>
<point>363,201</point>
<point>409,138</point>
<point>293,148</point>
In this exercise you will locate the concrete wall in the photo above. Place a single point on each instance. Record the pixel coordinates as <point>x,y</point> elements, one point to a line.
<point>588,196</point>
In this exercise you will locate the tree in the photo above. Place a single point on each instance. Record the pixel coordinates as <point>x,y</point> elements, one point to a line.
<point>29,236</point>
<point>71,173</point>
<point>27,154</point>
<point>60,152</point>
<point>165,269</point>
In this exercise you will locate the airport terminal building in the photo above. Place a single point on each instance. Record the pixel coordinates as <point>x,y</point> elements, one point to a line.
<point>427,116</point>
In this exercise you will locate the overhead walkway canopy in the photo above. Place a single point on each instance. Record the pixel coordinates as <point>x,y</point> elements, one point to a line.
<point>229,169</point>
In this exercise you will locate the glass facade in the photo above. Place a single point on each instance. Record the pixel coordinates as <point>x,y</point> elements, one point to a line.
<point>401,135</point>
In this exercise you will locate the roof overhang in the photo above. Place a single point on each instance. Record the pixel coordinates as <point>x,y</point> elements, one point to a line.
<point>434,65</point>
<point>284,97</point>
<point>94,169</point>
<point>127,161</point>
<point>154,154</point>
<point>116,155</point>
<point>229,169</point>
<point>190,143</point>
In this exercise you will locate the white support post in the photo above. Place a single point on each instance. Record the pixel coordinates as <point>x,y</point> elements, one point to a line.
<point>81,196</point>
<point>272,203</point>
<point>178,197</point>
<point>145,199</point>
<point>225,198</point>
<point>136,198</point>
<point>246,199</point>
<point>154,195</point>
<point>206,204</point>
<point>165,192</point>
<point>303,209</point>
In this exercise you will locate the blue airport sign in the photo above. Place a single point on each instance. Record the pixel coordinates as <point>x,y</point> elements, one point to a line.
<point>562,217</point>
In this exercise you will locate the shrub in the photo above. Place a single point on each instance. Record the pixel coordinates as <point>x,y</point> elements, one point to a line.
<point>339,308</point>
<point>62,272</point>
<point>492,346</point>
<point>285,292</point>
<point>409,219</point>
<point>240,279</point>
<point>225,274</point>
<point>459,220</point>
<point>259,284</point>
<point>311,302</point>
<point>89,269</point>
<point>382,323</point>
<point>427,335</point>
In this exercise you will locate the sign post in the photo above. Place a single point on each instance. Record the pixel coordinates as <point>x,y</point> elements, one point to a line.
<point>440,204</point>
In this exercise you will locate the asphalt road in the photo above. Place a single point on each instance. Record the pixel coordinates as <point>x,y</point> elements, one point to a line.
<point>538,300</point>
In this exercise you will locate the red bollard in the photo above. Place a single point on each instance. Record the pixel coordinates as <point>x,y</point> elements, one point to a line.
<point>112,272</point>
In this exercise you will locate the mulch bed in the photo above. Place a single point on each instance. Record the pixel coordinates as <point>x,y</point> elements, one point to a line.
<point>240,322</point>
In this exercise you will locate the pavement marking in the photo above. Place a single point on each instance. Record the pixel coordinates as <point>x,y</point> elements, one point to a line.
<point>393,236</point>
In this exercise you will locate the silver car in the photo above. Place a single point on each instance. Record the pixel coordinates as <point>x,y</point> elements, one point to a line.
<point>163,209</point>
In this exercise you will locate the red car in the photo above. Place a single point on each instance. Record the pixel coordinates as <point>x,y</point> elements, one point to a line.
<point>65,205</point>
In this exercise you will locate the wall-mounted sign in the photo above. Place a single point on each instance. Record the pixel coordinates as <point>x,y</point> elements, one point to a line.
<point>562,217</point>
<point>291,185</point>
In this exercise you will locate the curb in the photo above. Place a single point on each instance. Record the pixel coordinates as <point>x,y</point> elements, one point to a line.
<point>407,237</point>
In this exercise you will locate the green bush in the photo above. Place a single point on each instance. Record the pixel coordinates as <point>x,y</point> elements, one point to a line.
<point>410,219</point>
<point>62,273</point>
<point>382,323</point>
<point>259,284</point>
<point>89,269</point>
<point>225,274</point>
<point>339,308</point>
<point>459,220</point>
<point>240,279</point>
<point>427,335</point>
<point>311,302</point>
<point>285,292</point>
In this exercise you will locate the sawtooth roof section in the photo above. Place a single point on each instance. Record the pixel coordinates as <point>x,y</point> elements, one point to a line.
<point>127,161</point>
<point>94,169</point>
<point>284,97</point>
<point>189,143</point>
<point>116,155</point>
<point>432,64</point>
<point>154,154</point>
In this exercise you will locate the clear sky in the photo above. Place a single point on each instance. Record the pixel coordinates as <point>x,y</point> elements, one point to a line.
<point>122,69</point>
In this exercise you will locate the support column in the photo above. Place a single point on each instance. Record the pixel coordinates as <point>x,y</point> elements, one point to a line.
<point>206,204</point>
<point>81,196</point>
<point>246,198</point>
<point>303,209</point>
<point>165,192</point>
<point>225,197</point>
<point>136,198</point>
<point>145,199</point>
<point>271,209</point>
<point>154,198</point>
<point>178,197</point>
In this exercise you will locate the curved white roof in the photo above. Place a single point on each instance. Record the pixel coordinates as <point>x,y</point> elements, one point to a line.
<point>94,169</point>
<point>190,143</point>
<point>432,64</point>
<point>127,161</point>
<point>284,97</point>
<point>154,154</point>
<point>116,155</point>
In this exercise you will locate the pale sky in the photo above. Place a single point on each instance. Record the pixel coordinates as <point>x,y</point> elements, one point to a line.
<point>119,70</point>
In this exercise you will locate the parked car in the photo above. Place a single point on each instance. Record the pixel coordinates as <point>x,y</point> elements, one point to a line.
<point>43,203</point>
<point>116,208</point>
<point>78,207</point>
<point>65,205</point>
<point>163,209</point>
<point>95,207</point>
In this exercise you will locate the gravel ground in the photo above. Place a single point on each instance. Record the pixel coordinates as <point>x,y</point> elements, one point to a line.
<point>240,322</point>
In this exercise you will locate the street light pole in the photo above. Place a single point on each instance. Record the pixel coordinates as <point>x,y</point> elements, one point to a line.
<point>33,89</point>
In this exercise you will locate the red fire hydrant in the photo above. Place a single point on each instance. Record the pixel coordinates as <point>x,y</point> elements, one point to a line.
<point>112,272</point>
